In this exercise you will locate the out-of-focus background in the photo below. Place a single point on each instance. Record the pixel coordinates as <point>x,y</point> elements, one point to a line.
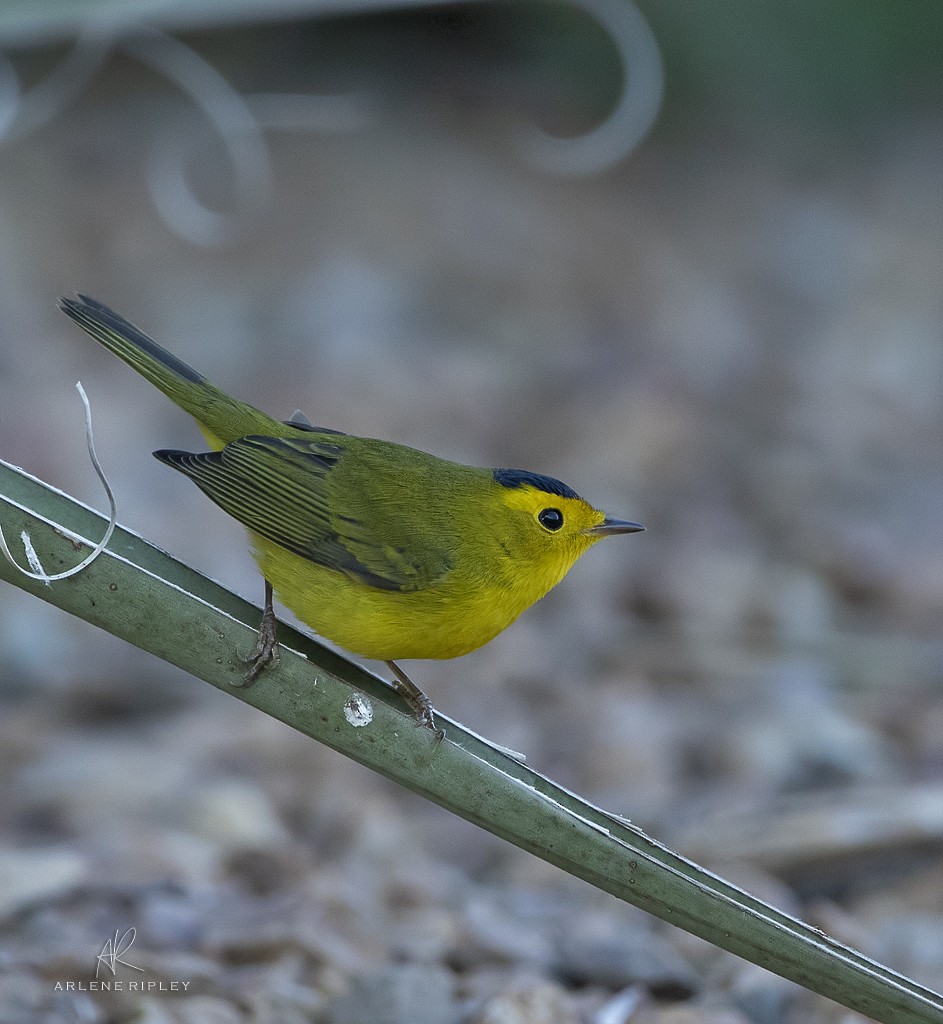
<point>686,258</point>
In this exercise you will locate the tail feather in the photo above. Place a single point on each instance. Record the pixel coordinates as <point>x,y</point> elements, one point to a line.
<point>221,417</point>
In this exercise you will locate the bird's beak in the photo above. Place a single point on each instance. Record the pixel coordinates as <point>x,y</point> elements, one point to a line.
<point>609,527</point>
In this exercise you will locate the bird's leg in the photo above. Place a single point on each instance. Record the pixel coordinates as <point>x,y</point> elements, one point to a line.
<point>415,698</point>
<point>266,648</point>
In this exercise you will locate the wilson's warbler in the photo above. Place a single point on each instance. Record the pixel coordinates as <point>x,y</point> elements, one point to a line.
<point>383,549</point>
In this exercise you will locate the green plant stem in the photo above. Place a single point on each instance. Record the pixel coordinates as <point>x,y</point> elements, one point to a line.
<point>140,593</point>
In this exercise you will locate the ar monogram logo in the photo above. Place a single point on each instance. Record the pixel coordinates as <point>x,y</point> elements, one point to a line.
<point>113,953</point>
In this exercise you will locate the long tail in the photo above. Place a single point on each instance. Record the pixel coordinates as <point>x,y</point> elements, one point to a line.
<point>221,418</point>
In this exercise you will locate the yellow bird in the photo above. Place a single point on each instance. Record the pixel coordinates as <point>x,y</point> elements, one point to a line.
<point>389,552</point>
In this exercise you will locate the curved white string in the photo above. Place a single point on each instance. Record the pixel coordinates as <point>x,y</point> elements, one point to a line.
<point>36,571</point>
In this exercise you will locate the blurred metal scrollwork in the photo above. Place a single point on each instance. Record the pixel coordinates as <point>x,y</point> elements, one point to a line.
<point>240,121</point>
<point>643,86</point>
<point>23,112</point>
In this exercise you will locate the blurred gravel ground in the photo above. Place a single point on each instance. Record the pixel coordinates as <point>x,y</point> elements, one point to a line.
<point>734,338</point>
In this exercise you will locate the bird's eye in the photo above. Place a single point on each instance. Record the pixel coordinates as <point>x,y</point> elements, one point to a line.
<point>550,518</point>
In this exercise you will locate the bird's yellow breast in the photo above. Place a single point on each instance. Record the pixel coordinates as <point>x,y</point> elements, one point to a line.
<point>458,614</point>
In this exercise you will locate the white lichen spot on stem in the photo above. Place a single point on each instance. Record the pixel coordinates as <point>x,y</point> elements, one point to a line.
<point>358,710</point>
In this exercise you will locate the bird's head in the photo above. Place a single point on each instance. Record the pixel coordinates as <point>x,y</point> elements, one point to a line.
<point>548,524</point>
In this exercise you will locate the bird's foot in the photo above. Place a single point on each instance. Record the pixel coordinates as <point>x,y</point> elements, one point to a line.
<point>265,652</point>
<point>418,702</point>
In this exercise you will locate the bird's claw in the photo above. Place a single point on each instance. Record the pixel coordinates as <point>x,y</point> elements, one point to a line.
<point>262,656</point>
<point>421,705</point>
<point>424,717</point>
<point>264,653</point>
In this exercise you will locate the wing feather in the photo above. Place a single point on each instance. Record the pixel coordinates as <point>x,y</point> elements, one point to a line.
<point>285,489</point>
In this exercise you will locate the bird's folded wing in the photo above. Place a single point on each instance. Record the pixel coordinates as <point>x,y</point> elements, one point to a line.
<point>282,489</point>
